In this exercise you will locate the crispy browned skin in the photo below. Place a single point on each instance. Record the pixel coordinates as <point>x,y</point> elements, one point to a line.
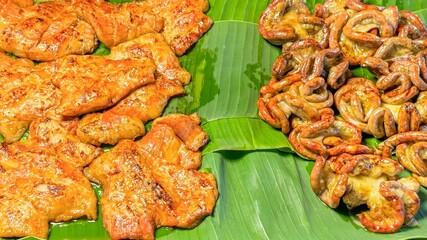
<point>155,47</point>
<point>152,183</point>
<point>44,31</point>
<point>184,23</point>
<point>116,24</point>
<point>145,103</point>
<point>36,187</point>
<point>90,83</point>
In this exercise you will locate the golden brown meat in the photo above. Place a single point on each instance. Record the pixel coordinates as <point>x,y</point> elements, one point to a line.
<point>152,183</point>
<point>91,83</point>
<point>118,23</point>
<point>148,102</point>
<point>61,136</point>
<point>187,128</point>
<point>26,93</point>
<point>176,141</point>
<point>37,187</point>
<point>109,128</point>
<point>126,119</point>
<point>45,31</point>
<point>145,103</point>
<point>155,47</point>
<point>184,23</point>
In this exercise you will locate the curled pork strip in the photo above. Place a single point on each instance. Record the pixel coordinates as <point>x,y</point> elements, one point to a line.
<point>302,100</point>
<point>411,152</point>
<point>410,25</point>
<point>357,100</point>
<point>412,70</point>
<point>288,63</point>
<point>315,139</point>
<point>353,174</point>
<point>330,7</point>
<point>421,105</point>
<point>397,88</point>
<point>289,20</point>
<point>355,36</point>
<point>397,48</point>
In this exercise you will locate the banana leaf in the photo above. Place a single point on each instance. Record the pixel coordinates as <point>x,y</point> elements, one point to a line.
<point>264,188</point>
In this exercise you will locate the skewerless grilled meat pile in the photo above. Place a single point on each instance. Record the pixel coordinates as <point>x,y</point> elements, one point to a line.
<point>313,98</point>
<point>71,103</point>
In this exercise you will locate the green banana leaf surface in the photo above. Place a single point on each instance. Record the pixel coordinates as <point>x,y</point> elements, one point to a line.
<point>264,188</point>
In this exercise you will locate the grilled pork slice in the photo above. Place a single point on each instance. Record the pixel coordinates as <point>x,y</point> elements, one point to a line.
<point>44,31</point>
<point>185,21</point>
<point>187,128</point>
<point>145,103</point>
<point>148,102</point>
<point>126,119</point>
<point>38,187</point>
<point>109,128</point>
<point>163,146</point>
<point>155,47</point>
<point>91,83</point>
<point>69,86</point>
<point>118,23</point>
<point>152,183</point>
<point>61,136</point>
<point>26,93</point>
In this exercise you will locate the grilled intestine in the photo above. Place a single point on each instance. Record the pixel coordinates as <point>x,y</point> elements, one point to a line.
<point>315,100</point>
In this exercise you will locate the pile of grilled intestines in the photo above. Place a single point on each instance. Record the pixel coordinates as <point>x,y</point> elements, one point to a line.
<point>72,103</point>
<point>326,112</point>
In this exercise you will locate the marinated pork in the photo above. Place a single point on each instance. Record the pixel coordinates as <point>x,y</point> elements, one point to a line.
<point>26,93</point>
<point>185,21</point>
<point>152,183</point>
<point>115,24</point>
<point>38,187</point>
<point>50,30</point>
<point>145,103</point>
<point>44,31</point>
<point>91,83</point>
